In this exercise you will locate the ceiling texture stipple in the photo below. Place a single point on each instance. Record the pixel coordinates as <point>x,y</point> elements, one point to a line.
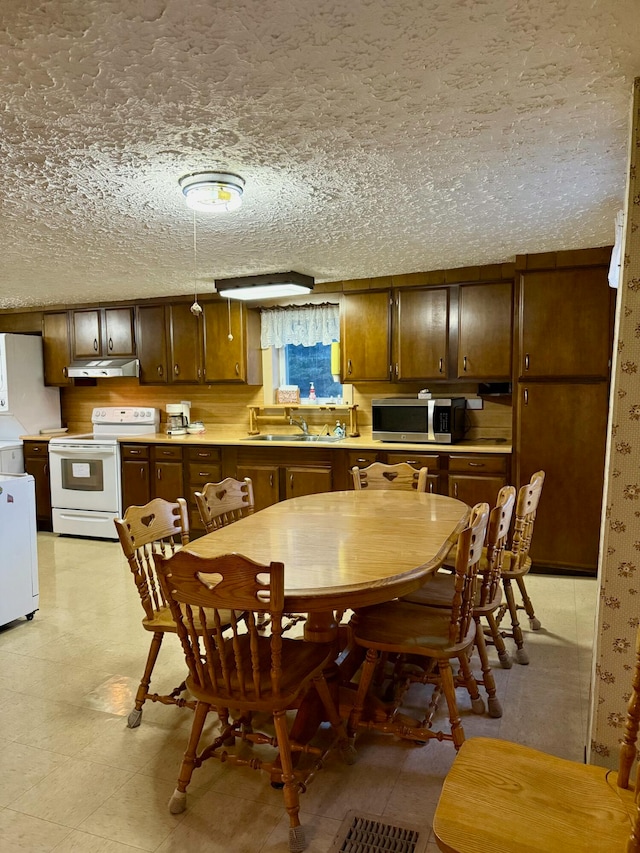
<point>374,137</point>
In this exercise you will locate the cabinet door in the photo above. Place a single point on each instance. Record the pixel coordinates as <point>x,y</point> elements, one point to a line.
<point>484,331</point>
<point>36,463</point>
<point>118,332</point>
<point>365,339</point>
<point>562,429</point>
<point>573,309</point>
<point>265,483</point>
<point>136,490</point>
<point>151,344</point>
<point>87,333</point>
<point>168,482</point>
<point>430,461</point>
<point>306,480</point>
<point>421,333</point>
<point>56,348</point>
<point>185,345</point>
<point>476,489</point>
<point>236,360</point>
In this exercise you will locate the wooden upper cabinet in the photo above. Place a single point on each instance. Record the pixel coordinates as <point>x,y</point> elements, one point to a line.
<point>484,331</point>
<point>56,348</point>
<point>421,333</point>
<point>119,339</point>
<point>184,337</point>
<point>565,323</point>
<point>87,333</point>
<point>236,360</point>
<point>365,336</point>
<point>103,332</point>
<point>151,344</point>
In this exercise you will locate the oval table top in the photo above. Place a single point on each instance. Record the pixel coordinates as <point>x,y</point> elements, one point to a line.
<point>345,549</point>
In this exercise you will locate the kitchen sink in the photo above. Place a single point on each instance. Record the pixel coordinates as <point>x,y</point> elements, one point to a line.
<point>297,437</point>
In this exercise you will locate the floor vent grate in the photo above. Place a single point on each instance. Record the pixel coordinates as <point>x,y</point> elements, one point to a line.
<point>368,834</point>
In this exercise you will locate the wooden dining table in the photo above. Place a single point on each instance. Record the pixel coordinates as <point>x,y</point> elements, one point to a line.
<point>344,550</point>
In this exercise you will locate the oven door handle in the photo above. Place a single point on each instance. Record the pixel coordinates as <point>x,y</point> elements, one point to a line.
<point>73,450</point>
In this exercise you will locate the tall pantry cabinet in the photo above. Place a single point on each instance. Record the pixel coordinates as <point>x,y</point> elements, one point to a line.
<point>565,327</point>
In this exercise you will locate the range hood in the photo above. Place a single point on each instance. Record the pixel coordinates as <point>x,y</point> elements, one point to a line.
<point>102,368</point>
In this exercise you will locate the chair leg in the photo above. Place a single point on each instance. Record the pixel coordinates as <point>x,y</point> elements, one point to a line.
<point>347,750</point>
<point>521,655</point>
<point>178,801</point>
<point>528,606</point>
<point>449,690</point>
<point>368,669</point>
<point>477,703</point>
<point>495,709</point>
<point>135,716</point>
<point>503,655</point>
<point>290,790</point>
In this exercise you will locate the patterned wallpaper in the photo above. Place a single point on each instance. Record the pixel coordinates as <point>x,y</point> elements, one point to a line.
<point>619,606</point>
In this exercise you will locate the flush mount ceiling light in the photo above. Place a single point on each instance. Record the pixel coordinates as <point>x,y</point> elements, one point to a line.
<point>212,192</point>
<point>269,286</point>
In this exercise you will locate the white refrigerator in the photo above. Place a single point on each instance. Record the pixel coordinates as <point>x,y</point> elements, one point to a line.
<point>19,562</point>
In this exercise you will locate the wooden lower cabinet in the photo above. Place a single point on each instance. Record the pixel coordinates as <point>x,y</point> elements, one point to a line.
<point>278,475</point>
<point>562,430</point>
<point>265,480</point>
<point>477,478</point>
<point>36,463</point>
<point>151,471</point>
<point>203,466</point>
<point>306,480</point>
<point>431,461</point>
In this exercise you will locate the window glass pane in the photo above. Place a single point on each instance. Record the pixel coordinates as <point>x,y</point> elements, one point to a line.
<point>304,365</point>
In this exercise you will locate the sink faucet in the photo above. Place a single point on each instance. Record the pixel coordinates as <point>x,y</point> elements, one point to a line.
<point>301,423</point>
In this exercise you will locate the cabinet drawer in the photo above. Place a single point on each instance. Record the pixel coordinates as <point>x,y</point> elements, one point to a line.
<point>480,464</point>
<point>418,460</point>
<point>165,451</point>
<point>362,459</point>
<point>203,472</point>
<point>134,451</point>
<point>35,449</point>
<point>199,453</point>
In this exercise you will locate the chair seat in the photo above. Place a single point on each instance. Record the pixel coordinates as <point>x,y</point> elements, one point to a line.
<point>409,628</point>
<point>163,620</point>
<point>507,563</point>
<point>539,803</point>
<point>438,591</point>
<point>300,661</point>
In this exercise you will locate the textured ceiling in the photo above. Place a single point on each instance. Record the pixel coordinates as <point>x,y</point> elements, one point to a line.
<point>375,137</point>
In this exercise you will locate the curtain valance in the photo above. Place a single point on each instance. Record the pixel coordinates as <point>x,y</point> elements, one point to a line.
<point>300,324</point>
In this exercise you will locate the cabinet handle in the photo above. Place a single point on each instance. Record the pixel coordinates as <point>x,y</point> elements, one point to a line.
<point>110,344</point>
<point>475,464</point>
<point>362,460</point>
<point>46,467</point>
<point>349,367</point>
<point>237,369</point>
<point>95,345</point>
<point>159,473</point>
<point>431,487</point>
<point>464,364</point>
<point>135,452</point>
<point>441,365</point>
<point>203,453</point>
<point>203,473</point>
<point>176,369</point>
<point>160,370</point>
<point>142,472</point>
<point>397,370</point>
<point>411,462</point>
<point>166,452</point>
<point>65,372</point>
<point>526,361</point>
<point>199,373</point>
<point>455,490</point>
<point>291,480</point>
<point>271,480</point>
<point>526,396</point>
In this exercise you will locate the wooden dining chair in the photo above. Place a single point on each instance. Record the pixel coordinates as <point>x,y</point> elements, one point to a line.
<point>158,527</point>
<point>439,592</point>
<point>246,671</point>
<point>504,797</point>
<point>222,503</point>
<point>516,565</point>
<point>410,630</point>
<point>378,475</point>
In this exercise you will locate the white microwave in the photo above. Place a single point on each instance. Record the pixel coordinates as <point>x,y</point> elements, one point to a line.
<point>436,421</point>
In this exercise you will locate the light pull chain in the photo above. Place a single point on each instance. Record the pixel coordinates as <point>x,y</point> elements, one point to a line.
<point>196,308</point>
<point>230,335</point>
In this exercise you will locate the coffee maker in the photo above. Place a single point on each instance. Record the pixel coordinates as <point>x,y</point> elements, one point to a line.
<point>178,415</point>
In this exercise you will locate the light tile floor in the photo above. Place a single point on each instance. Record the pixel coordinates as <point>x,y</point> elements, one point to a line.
<point>75,779</point>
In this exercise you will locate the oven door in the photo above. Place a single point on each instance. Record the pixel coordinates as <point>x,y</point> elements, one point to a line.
<point>85,476</point>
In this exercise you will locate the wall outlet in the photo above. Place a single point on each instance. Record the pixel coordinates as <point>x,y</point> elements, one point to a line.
<point>475,403</point>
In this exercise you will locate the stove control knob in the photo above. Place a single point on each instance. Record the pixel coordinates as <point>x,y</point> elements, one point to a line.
<point>135,414</point>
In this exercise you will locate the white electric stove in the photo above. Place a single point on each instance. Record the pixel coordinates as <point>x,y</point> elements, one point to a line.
<point>86,492</point>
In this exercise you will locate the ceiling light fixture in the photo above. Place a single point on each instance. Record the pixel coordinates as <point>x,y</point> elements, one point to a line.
<point>212,192</point>
<point>270,286</point>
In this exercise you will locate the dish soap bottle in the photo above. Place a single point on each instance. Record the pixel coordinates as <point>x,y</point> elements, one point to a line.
<point>312,393</point>
<point>338,430</point>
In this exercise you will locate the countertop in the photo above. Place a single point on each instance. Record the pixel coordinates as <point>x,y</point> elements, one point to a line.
<point>222,436</point>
